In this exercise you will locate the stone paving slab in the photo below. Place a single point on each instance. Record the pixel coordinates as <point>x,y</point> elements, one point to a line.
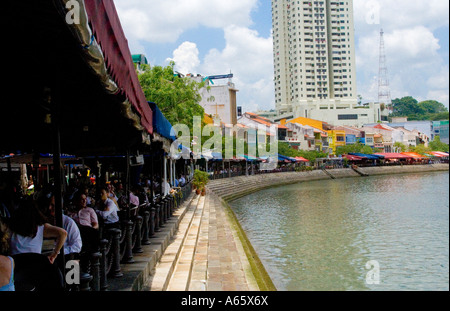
<point>210,258</point>
<point>136,275</point>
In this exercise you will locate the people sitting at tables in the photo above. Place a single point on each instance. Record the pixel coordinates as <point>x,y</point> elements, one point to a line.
<point>73,243</point>
<point>6,262</point>
<point>182,181</point>
<point>166,187</point>
<point>134,199</point>
<point>87,221</point>
<point>141,193</point>
<point>107,209</point>
<point>111,192</point>
<point>82,214</point>
<point>28,229</point>
<point>119,190</point>
<point>90,202</point>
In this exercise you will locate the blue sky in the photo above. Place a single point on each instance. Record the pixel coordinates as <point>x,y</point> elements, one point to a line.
<point>213,37</point>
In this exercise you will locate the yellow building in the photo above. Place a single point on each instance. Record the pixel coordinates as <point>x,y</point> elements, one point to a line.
<point>325,137</point>
<point>337,139</point>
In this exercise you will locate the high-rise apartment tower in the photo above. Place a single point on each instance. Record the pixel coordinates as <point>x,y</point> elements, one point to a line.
<point>314,57</point>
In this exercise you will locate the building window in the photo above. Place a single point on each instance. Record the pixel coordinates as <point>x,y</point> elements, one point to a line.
<point>348,117</point>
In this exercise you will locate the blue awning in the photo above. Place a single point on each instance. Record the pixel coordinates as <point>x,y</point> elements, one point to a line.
<point>368,156</point>
<point>160,124</point>
<point>63,156</point>
<point>212,156</point>
<point>247,157</point>
<point>282,158</point>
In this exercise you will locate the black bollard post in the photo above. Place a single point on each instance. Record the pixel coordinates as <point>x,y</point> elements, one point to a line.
<point>165,205</point>
<point>137,249</point>
<point>152,221</point>
<point>157,217</point>
<point>146,228</point>
<point>161,214</point>
<point>115,269</point>
<point>103,265</point>
<point>128,256</point>
<point>95,271</point>
<point>85,279</point>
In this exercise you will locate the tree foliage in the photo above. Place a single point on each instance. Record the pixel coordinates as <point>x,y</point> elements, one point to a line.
<point>286,150</point>
<point>438,145</point>
<point>177,98</point>
<point>427,110</point>
<point>401,146</point>
<point>421,149</point>
<point>355,148</point>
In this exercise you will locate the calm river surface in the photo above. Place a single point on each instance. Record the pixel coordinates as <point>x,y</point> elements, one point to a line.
<point>320,235</point>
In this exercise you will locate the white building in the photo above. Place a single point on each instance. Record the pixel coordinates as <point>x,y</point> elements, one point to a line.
<point>219,99</point>
<point>315,62</point>
<point>302,137</point>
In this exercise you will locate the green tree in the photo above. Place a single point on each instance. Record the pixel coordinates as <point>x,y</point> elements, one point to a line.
<point>286,150</point>
<point>438,145</point>
<point>421,149</point>
<point>367,150</point>
<point>427,110</point>
<point>432,106</point>
<point>406,106</point>
<point>401,147</point>
<point>177,98</point>
<point>355,148</point>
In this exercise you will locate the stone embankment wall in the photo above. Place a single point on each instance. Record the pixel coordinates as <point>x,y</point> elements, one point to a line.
<point>233,188</point>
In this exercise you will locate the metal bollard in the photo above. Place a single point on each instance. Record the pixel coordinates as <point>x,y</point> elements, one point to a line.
<point>157,217</point>
<point>146,228</point>
<point>161,214</point>
<point>103,266</point>
<point>95,271</point>
<point>128,256</point>
<point>152,221</point>
<point>115,269</point>
<point>138,233</point>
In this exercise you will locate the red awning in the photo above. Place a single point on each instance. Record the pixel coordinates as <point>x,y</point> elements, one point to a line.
<point>414,155</point>
<point>394,156</point>
<point>301,159</point>
<point>352,157</point>
<point>108,31</point>
<point>439,154</point>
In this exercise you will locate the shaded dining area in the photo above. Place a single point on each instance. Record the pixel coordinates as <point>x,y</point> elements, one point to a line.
<point>78,137</point>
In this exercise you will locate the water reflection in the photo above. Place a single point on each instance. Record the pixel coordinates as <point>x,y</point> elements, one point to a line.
<point>320,235</point>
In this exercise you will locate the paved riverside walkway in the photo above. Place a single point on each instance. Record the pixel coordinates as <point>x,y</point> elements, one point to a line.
<point>204,255</point>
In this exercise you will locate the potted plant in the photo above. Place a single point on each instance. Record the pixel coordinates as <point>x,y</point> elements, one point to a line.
<point>197,188</point>
<point>199,182</point>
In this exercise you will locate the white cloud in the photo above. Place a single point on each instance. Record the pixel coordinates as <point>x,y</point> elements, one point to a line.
<point>400,14</point>
<point>250,58</point>
<point>439,95</point>
<point>413,51</point>
<point>440,80</point>
<point>186,58</point>
<point>246,54</point>
<point>439,86</point>
<point>164,21</point>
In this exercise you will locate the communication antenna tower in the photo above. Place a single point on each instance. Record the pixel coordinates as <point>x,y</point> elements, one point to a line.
<point>384,92</point>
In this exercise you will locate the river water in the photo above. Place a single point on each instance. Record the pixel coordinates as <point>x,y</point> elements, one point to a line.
<point>320,235</point>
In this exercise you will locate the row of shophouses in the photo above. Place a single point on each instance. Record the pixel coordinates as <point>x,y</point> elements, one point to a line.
<point>309,135</point>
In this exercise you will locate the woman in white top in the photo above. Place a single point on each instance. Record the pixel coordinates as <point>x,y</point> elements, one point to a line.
<point>29,228</point>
